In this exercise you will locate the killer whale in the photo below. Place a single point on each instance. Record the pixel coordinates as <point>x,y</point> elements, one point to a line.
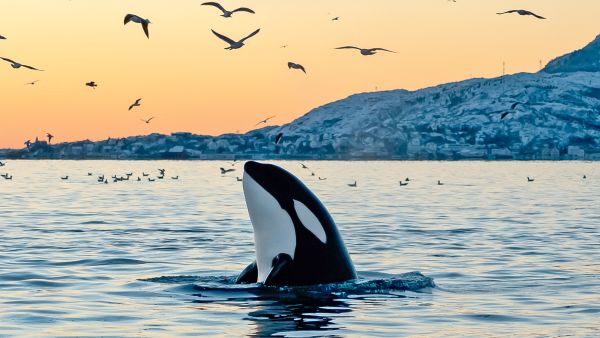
<point>295,238</point>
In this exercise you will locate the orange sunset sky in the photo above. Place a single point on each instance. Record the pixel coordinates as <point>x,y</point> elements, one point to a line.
<point>190,83</point>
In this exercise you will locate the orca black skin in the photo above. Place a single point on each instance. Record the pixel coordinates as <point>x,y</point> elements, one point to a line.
<point>296,240</point>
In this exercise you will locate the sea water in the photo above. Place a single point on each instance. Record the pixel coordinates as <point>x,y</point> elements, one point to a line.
<point>485,254</point>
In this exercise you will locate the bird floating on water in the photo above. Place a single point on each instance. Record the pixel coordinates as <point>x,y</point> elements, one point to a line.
<point>292,65</point>
<point>235,44</point>
<point>367,51</point>
<point>238,179</point>
<point>225,171</point>
<point>226,13</point>
<point>353,185</point>
<point>440,183</point>
<point>522,12</point>
<point>2,164</point>
<point>140,20</point>
<point>65,177</point>
<point>135,104</point>
<point>92,84</point>
<point>529,179</point>
<point>403,183</point>
<point>17,65</point>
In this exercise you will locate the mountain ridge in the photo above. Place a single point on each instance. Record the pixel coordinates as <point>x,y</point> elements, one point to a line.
<point>551,114</point>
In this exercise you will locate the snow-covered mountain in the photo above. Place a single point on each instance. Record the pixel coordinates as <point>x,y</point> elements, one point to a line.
<point>556,115</point>
<point>553,114</point>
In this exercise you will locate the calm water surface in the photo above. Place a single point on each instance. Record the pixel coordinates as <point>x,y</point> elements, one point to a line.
<point>509,258</point>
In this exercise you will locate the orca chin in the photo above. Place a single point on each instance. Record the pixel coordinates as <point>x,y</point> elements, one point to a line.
<point>295,238</point>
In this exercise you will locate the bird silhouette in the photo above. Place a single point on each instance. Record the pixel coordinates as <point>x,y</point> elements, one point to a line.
<point>135,104</point>
<point>265,120</point>
<point>292,65</point>
<point>367,51</point>
<point>140,20</point>
<point>235,44</point>
<point>17,65</point>
<point>521,12</point>
<point>226,13</point>
<point>148,120</point>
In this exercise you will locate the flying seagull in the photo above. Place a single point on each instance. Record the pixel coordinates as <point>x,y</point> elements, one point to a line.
<point>32,82</point>
<point>92,84</point>
<point>50,137</point>
<point>148,120</point>
<point>235,44</point>
<point>135,104</point>
<point>522,12</point>
<point>367,51</point>
<point>2,37</point>
<point>226,13</point>
<point>137,19</point>
<point>17,65</point>
<point>296,66</point>
<point>337,18</point>
<point>265,120</point>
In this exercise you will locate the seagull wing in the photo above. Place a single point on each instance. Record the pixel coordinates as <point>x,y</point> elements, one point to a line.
<point>243,9</point>
<point>215,4</point>
<point>6,59</point>
<point>514,105</point>
<point>131,107</point>
<point>251,35</point>
<point>138,101</point>
<point>150,119</point>
<point>128,18</point>
<point>504,115</point>
<point>223,37</point>
<point>508,12</point>
<point>537,16</point>
<point>145,27</point>
<point>33,68</point>
<point>348,47</point>
<point>383,49</point>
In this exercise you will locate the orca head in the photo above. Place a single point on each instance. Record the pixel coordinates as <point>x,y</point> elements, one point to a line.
<point>275,198</point>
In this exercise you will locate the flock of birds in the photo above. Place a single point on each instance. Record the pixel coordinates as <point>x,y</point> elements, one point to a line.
<point>224,171</point>
<point>236,44</point>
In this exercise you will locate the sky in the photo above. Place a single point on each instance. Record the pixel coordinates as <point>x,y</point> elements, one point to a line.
<point>188,82</point>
